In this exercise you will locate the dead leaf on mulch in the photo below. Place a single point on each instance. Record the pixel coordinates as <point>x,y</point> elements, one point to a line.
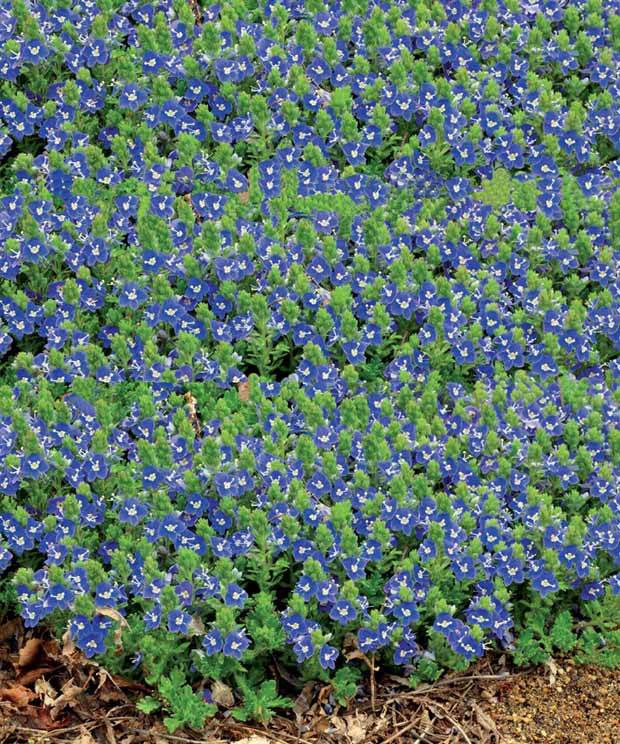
<point>484,720</point>
<point>10,629</point>
<point>29,652</point>
<point>222,695</point>
<point>69,695</point>
<point>19,695</point>
<point>357,727</point>
<point>45,690</point>
<point>304,700</point>
<point>41,718</point>
<point>357,654</point>
<point>85,737</point>
<point>32,675</point>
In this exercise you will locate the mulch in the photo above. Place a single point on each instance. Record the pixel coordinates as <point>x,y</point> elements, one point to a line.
<point>51,694</point>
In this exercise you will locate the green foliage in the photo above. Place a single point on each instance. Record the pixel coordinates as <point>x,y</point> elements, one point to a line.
<point>148,704</point>
<point>388,255</point>
<point>185,707</point>
<point>599,641</point>
<point>496,191</point>
<point>593,636</point>
<point>345,683</point>
<point>260,703</point>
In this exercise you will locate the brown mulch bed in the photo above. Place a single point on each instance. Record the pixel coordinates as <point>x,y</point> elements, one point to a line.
<point>50,694</point>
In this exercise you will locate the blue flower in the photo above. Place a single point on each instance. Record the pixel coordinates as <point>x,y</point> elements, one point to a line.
<point>543,581</point>
<point>303,648</point>
<point>132,296</point>
<point>90,636</point>
<point>133,512</point>
<point>34,466</point>
<point>235,644</point>
<point>60,597</point>
<point>343,612</point>
<point>212,642</point>
<point>34,51</point>
<point>179,621</point>
<point>328,656</point>
<point>405,651</point>
<point>132,97</point>
<point>96,53</point>
<point>235,596</point>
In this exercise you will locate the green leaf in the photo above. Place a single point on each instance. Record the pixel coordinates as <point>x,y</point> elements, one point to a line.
<point>148,704</point>
<point>562,635</point>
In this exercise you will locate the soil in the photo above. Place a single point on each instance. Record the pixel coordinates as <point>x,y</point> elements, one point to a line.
<point>568,704</point>
<point>51,694</point>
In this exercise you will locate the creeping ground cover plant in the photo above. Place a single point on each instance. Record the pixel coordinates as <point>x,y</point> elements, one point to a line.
<point>310,337</point>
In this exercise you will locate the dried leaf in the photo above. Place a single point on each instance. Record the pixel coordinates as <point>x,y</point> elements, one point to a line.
<point>29,652</point>
<point>244,391</point>
<point>553,671</point>
<point>193,411</point>
<point>10,629</point>
<point>304,700</point>
<point>45,690</point>
<point>338,726</point>
<point>69,694</point>
<point>361,655</point>
<point>357,728</point>
<point>114,614</point>
<point>128,684</point>
<point>254,739</point>
<point>350,641</point>
<point>84,738</point>
<point>196,626</point>
<point>109,731</point>
<point>107,687</point>
<point>67,653</point>
<point>222,695</point>
<point>45,721</point>
<point>244,197</point>
<point>18,695</point>
<point>487,723</point>
<point>68,646</point>
<point>32,675</point>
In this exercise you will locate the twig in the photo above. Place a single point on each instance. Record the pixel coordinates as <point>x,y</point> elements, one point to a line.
<point>109,730</point>
<point>59,731</point>
<point>446,682</point>
<point>193,412</point>
<point>456,724</point>
<point>174,737</point>
<point>422,737</point>
<point>264,733</point>
<point>196,11</point>
<point>373,691</point>
<point>400,732</point>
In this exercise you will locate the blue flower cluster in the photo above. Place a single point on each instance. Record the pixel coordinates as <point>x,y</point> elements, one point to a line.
<point>309,324</point>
